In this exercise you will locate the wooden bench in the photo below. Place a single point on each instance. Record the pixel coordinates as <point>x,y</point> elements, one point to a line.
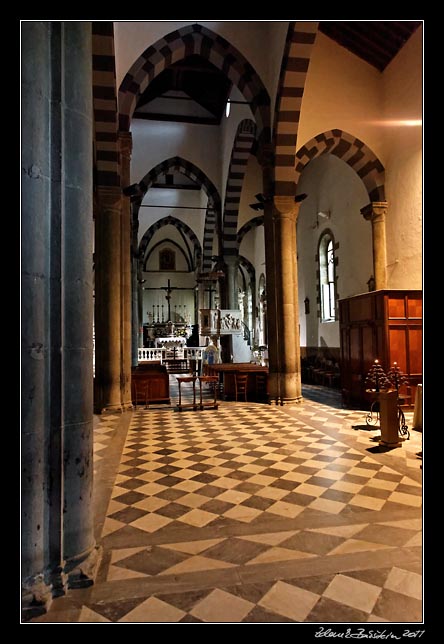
<point>150,383</point>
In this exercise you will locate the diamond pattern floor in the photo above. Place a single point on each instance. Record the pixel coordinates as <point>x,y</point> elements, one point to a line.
<point>257,513</point>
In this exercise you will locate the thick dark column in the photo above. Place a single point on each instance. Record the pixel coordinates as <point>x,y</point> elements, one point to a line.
<point>35,289</point>
<point>78,233</point>
<point>58,547</point>
<point>107,384</point>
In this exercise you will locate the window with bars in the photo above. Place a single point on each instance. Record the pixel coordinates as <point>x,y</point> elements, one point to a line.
<point>327,277</point>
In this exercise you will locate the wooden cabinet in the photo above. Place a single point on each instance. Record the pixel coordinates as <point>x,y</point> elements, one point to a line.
<point>384,325</point>
<point>155,382</point>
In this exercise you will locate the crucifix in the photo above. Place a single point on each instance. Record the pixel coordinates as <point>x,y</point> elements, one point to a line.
<point>169,289</point>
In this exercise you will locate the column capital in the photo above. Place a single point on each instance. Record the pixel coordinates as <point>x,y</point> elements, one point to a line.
<point>109,197</point>
<point>286,206</point>
<point>375,211</point>
<point>125,140</point>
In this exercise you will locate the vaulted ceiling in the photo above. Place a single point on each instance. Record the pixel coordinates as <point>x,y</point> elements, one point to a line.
<point>195,91</point>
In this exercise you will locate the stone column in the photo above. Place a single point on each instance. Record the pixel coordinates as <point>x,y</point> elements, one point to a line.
<point>282,300</point>
<point>376,213</point>
<point>35,290</point>
<point>125,147</point>
<point>58,547</point>
<point>107,394</point>
<point>135,295</point>
<point>79,551</point>
<point>232,292</point>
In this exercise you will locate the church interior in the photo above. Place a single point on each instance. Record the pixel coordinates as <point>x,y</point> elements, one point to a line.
<point>221,322</point>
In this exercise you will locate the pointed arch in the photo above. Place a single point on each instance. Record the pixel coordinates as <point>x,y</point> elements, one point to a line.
<point>253,223</point>
<point>295,61</point>
<point>243,142</point>
<point>191,171</point>
<point>351,150</point>
<point>195,39</point>
<point>248,267</point>
<point>185,230</point>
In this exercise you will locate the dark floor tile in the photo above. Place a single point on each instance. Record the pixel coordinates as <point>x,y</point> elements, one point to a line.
<point>271,471</point>
<point>352,478</point>
<point>298,499</point>
<point>259,615</point>
<point>258,502</point>
<point>247,487</point>
<point>117,609</point>
<point>190,619</point>
<point>385,534</point>
<point>171,494</point>
<point>337,495</point>
<point>132,484</point>
<point>285,484</point>
<point>315,585</point>
<point>212,490</point>
<point>389,476</point>
<point>204,478</point>
<point>375,576</point>
<point>303,469</point>
<point>173,510</point>
<point>128,515</point>
<point>376,492</point>
<point>196,458</point>
<point>236,551</point>
<point>129,498</point>
<point>184,600</point>
<point>135,461</point>
<point>314,542</point>
<point>168,469</point>
<point>319,480</point>
<point>238,475</point>
<point>409,489</point>
<point>169,481</point>
<point>397,608</point>
<point>264,462</point>
<point>216,506</point>
<point>250,592</point>
<point>327,610</point>
<point>134,472</point>
<point>152,560</point>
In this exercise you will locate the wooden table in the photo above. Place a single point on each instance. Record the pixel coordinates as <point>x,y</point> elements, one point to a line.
<point>182,405</point>
<point>225,372</point>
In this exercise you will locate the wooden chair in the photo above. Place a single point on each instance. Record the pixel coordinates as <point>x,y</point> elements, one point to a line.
<point>260,383</point>
<point>240,385</point>
<point>141,391</point>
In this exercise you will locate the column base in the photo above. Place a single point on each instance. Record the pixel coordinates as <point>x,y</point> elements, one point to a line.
<point>288,401</point>
<point>390,444</point>
<point>82,574</point>
<point>36,597</point>
<point>101,410</point>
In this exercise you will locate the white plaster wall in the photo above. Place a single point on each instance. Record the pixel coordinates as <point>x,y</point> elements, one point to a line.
<point>252,186</point>
<point>156,141</point>
<point>341,91</point>
<point>402,83</point>
<point>193,217</point>
<point>331,185</point>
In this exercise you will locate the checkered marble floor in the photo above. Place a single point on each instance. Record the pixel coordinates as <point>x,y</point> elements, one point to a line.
<point>257,513</point>
<point>104,428</point>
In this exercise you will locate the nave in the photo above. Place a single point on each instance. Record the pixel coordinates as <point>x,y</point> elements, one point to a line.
<point>252,513</point>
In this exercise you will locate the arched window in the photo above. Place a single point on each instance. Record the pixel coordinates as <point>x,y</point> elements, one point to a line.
<point>327,277</point>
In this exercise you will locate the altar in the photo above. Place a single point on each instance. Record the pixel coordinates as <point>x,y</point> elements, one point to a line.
<point>170,342</point>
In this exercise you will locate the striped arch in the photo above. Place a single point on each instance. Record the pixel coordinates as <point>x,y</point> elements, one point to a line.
<point>195,39</point>
<point>243,142</point>
<point>183,229</point>
<point>253,223</point>
<point>214,203</point>
<point>353,151</point>
<point>296,59</point>
<point>105,105</point>
<point>248,267</point>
